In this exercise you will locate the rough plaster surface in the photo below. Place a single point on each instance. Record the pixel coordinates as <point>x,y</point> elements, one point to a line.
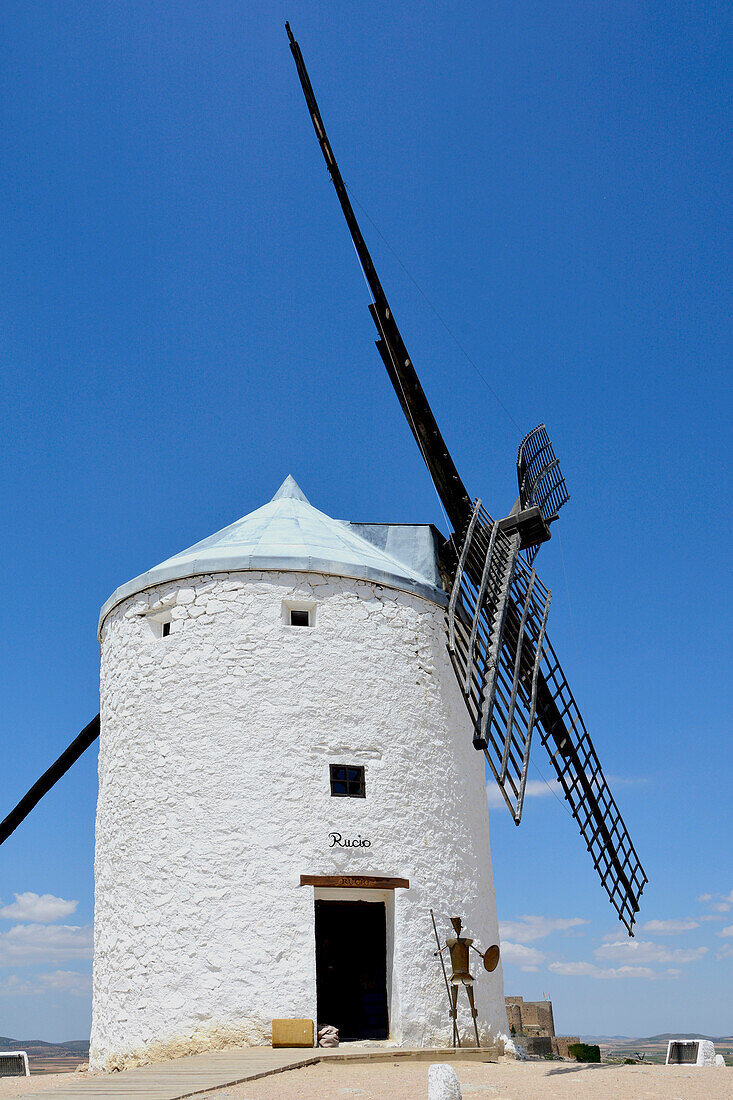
<point>706,1053</point>
<point>214,798</point>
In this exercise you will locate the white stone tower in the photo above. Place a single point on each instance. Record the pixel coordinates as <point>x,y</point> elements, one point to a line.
<point>287,785</point>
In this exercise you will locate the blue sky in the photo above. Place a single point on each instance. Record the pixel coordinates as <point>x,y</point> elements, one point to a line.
<point>184,323</point>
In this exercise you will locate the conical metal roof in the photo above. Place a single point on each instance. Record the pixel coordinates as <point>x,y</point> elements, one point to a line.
<point>290,535</point>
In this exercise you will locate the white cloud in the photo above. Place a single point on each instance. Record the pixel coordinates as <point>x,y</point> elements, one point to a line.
<point>726,931</point>
<point>540,788</point>
<point>45,943</point>
<point>43,908</point>
<point>527,958</point>
<point>64,981</point>
<point>644,951</point>
<point>68,981</point>
<point>12,985</point>
<point>529,928</point>
<point>719,903</point>
<point>726,952</point>
<point>579,969</point>
<point>670,927</point>
<point>536,788</point>
<point>590,970</point>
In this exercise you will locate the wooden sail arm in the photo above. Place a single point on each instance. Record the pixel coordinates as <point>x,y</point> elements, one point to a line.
<point>622,875</point>
<point>49,778</point>
<point>402,374</point>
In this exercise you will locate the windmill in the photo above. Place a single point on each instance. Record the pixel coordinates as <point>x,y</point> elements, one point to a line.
<point>506,666</point>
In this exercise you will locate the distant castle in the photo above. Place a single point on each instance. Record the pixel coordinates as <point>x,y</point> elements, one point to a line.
<point>533,1024</point>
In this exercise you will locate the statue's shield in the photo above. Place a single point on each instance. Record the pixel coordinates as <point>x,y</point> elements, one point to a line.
<point>491,958</point>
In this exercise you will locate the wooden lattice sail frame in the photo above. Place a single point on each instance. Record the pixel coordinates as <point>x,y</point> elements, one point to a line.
<point>496,620</point>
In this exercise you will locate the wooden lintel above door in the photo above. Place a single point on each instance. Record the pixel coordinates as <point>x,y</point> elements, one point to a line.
<point>356,882</point>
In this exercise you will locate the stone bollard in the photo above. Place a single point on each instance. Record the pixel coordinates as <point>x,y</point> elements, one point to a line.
<point>443,1083</point>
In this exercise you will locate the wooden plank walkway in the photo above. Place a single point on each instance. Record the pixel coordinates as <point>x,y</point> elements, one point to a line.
<point>182,1076</point>
<point>199,1073</point>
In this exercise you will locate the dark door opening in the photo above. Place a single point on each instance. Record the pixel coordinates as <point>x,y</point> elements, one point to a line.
<point>683,1054</point>
<point>351,968</point>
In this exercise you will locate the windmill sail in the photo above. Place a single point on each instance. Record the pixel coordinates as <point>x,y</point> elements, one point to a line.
<point>540,478</point>
<point>541,484</point>
<point>584,786</point>
<point>496,620</point>
<point>511,680</point>
<point>391,346</point>
<point>496,614</point>
<point>50,777</point>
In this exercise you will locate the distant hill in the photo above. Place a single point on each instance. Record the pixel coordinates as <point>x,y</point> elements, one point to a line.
<point>685,1035</point>
<point>653,1048</point>
<point>75,1048</point>
<point>607,1039</point>
<point>664,1038</point>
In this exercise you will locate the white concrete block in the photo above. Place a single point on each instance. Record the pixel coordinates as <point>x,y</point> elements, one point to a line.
<point>690,1052</point>
<point>706,1053</point>
<point>443,1083</point>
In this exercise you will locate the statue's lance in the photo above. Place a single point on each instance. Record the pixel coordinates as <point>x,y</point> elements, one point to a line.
<point>456,1036</point>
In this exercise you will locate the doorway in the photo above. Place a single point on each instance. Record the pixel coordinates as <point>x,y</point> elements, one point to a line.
<point>351,968</point>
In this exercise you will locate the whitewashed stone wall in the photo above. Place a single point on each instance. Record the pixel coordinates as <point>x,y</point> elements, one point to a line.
<point>214,798</point>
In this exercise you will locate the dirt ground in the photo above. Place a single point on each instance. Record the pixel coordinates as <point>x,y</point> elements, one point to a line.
<point>37,1082</point>
<point>510,1081</point>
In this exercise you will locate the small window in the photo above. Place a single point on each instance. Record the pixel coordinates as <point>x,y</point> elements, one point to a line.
<point>299,618</point>
<point>347,781</point>
<point>166,629</point>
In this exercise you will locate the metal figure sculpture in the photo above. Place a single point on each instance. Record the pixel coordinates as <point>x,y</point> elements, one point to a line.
<point>458,947</point>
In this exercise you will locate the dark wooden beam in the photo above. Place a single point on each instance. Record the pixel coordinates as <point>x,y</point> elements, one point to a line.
<point>402,374</point>
<point>51,776</point>
<point>356,882</point>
